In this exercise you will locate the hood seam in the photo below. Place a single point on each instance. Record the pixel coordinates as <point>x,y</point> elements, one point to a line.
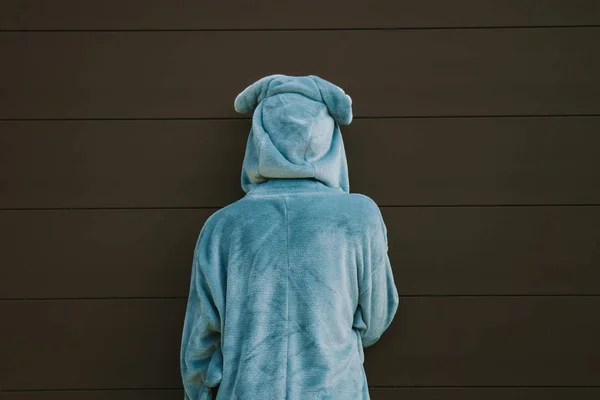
<point>312,127</point>
<point>260,142</point>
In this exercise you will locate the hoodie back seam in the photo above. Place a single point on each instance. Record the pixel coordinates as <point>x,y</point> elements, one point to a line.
<point>287,298</point>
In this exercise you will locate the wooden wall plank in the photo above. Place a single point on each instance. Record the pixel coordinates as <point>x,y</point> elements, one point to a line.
<point>376,394</point>
<point>482,393</point>
<point>451,341</point>
<point>490,341</point>
<point>118,253</point>
<point>436,72</point>
<point>434,251</point>
<point>93,344</point>
<point>499,250</point>
<point>148,394</point>
<point>412,161</point>
<point>187,14</point>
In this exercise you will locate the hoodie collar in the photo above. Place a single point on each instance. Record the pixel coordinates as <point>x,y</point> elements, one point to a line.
<point>279,186</point>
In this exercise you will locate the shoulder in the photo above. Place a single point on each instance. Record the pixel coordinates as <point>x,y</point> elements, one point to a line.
<point>364,200</point>
<point>366,206</point>
<point>373,218</point>
<point>356,212</point>
<point>215,224</point>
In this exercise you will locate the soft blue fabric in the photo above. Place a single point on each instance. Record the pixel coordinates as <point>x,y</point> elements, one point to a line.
<point>290,282</point>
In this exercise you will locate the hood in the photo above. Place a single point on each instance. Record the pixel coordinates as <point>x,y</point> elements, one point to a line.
<point>295,130</point>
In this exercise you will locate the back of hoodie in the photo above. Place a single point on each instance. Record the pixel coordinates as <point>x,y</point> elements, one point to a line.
<point>290,282</point>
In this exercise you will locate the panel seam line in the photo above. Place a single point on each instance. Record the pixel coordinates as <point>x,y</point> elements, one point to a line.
<point>287,296</point>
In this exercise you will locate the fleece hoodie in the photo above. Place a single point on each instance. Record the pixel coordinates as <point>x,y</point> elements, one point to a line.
<point>292,281</point>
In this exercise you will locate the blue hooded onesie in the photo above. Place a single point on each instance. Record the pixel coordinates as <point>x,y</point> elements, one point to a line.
<point>290,282</point>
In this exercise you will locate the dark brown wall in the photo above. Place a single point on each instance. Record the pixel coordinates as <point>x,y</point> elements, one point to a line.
<point>477,130</point>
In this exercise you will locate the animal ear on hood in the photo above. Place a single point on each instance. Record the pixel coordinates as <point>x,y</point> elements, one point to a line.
<point>338,103</point>
<point>249,98</point>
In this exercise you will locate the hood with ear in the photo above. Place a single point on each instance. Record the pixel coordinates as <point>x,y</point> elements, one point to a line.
<point>295,130</point>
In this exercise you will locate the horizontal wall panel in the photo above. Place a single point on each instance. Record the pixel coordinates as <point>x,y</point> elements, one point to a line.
<point>433,251</point>
<point>459,341</point>
<point>56,164</point>
<point>541,71</point>
<point>94,344</point>
<point>376,394</point>
<point>405,161</point>
<point>498,250</point>
<point>148,394</point>
<point>187,14</point>
<point>129,253</point>
<point>490,341</point>
<point>481,393</point>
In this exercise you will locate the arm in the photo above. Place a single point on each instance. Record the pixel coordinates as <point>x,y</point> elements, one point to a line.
<point>378,298</point>
<point>201,358</point>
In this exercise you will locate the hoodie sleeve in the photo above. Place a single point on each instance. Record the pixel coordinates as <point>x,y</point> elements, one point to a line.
<point>378,298</point>
<point>201,357</point>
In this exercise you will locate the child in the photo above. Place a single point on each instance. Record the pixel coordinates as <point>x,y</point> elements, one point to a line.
<point>290,282</point>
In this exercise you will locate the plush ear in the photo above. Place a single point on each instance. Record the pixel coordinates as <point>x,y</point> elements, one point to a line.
<point>249,98</point>
<point>337,101</point>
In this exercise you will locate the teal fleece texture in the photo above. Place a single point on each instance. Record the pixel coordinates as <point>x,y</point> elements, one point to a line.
<point>292,281</point>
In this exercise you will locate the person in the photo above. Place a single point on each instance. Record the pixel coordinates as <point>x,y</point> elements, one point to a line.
<point>292,281</point>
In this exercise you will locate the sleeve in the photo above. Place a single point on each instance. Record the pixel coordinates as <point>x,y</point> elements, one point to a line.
<point>378,296</point>
<point>201,358</point>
